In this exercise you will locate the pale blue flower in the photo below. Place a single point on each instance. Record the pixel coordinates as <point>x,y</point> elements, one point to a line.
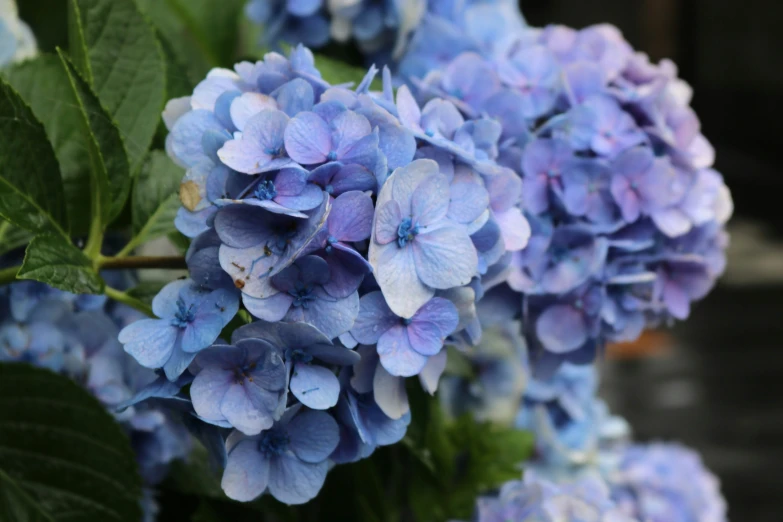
<point>189,321</point>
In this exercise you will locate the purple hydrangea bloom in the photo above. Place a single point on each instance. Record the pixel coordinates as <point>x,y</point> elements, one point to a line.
<point>663,482</point>
<point>241,386</point>
<point>349,221</point>
<point>189,321</point>
<point>415,248</point>
<point>615,169</point>
<point>404,345</point>
<point>289,459</point>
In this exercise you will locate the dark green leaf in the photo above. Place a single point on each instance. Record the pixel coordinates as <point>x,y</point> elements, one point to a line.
<point>55,261</point>
<point>31,191</point>
<point>63,451</point>
<point>44,84</point>
<point>116,50</point>
<point>12,237</point>
<point>109,170</point>
<point>213,23</point>
<point>182,50</point>
<point>155,198</point>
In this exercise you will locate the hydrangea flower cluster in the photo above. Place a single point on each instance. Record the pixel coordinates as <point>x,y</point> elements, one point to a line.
<point>76,335</point>
<point>538,500</point>
<point>17,42</point>
<point>379,27</point>
<point>662,482</point>
<point>627,214</point>
<point>411,36</point>
<point>339,218</point>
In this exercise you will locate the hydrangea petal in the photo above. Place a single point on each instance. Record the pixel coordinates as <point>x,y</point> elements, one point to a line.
<point>314,435</point>
<point>315,386</point>
<point>247,472</point>
<point>292,481</point>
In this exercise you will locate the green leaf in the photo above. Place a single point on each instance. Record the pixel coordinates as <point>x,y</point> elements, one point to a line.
<point>110,174</point>
<point>183,52</point>
<point>457,461</point>
<point>31,191</point>
<point>116,50</point>
<point>44,84</point>
<point>155,198</point>
<point>62,456</point>
<point>55,261</point>
<point>12,237</point>
<point>213,23</point>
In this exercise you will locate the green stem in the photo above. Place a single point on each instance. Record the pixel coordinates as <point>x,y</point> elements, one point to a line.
<point>8,275</point>
<point>94,241</point>
<point>140,262</point>
<point>122,297</point>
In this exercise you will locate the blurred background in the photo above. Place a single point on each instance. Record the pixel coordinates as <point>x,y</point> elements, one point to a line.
<point>715,382</point>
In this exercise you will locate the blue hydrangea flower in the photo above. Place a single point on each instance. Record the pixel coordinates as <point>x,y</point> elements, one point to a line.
<point>302,296</point>
<point>404,345</point>
<point>303,346</point>
<point>289,459</point>
<point>241,386</point>
<point>662,482</point>
<point>451,28</point>
<point>189,321</point>
<point>304,196</point>
<point>535,499</point>
<point>415,249</point>
<point>379,28</point>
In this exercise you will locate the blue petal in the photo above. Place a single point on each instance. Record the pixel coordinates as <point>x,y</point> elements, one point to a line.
<point>184,141</point>
<point>313,435</point>
<point>292,481</point>
<point>315,386</point>
<point>247,472</point>
<point>149,341</point>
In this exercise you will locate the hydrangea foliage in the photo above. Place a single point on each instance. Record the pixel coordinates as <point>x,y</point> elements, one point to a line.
<point>627,214</point>
<point>338,217</point>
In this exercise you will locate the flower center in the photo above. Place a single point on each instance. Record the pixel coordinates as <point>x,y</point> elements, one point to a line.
<point>266,190</point>
<point>331,156</point>
<point>406,322</point>
<point>273,442</point>
<point>275,152</point>
<point>184,315</point>
<point>329,242</point>
<point>406,232</point>
<point>303,295</point>
<point>329,189</point>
